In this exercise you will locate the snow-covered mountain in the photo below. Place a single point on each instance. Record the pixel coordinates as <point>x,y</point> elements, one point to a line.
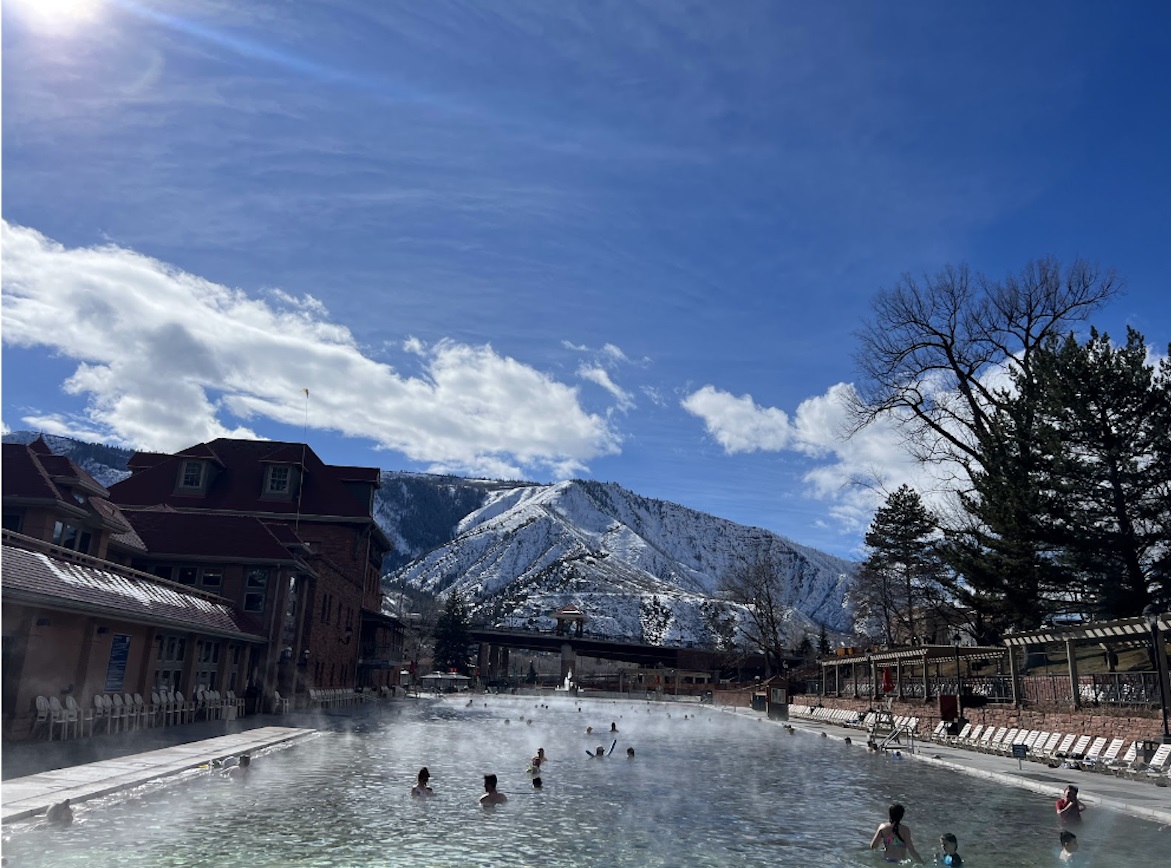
<point>642,569</point>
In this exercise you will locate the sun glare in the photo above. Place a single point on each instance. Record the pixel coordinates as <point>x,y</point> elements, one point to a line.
<point>56,16</point>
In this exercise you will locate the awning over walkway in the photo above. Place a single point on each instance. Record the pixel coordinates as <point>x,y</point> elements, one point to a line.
<point>1092,631</point>
<point>917,654</point>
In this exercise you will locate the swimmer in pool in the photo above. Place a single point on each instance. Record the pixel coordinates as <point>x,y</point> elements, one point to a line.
<point>947,854</point>
<point>895,838</point>
<point>421,789</point>
<point>60,815</point>
<point>1069,809</point>
<point>492,797</point>
<point>630,753</point>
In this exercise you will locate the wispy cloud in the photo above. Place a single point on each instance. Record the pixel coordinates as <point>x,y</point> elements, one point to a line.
<point>624,400</point>
<point>167,358</point>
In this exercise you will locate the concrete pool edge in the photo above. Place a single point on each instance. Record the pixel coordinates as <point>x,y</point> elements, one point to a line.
<point>968,762</point>
<point>26,797</point>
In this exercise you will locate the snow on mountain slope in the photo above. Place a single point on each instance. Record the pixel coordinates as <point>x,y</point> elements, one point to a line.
<point>641,568</point>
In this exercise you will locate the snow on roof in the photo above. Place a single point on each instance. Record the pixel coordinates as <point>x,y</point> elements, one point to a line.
<point>137,598</point>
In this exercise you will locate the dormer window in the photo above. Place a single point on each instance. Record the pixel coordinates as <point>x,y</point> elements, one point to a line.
<point>192,474</point>
<point>278,481</point>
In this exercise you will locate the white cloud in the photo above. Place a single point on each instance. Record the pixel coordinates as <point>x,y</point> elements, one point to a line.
<point>738,423</point>
<point>853,473</point>
<point>625,401</point>
<point>165,358</point>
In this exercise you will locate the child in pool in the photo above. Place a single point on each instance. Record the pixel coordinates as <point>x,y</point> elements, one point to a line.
<point>947,854</point>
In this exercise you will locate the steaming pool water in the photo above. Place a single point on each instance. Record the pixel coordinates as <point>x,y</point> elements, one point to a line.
<point>714,789</point>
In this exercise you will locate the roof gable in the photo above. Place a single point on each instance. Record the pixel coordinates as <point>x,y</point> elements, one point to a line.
<point>239,485</point>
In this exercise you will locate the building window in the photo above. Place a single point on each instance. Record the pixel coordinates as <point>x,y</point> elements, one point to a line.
<point>69,537</point>
<point>254,590</point>
<point>186,575</point>
<point>84,540</point>
<point>280,477</point>
<point>12,521</point>
<point>212,578</point>
<point>326,603</point>
<point>192,475</point>
<point>163,571</point>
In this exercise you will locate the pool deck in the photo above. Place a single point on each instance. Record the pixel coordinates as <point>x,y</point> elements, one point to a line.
<point>28,796</point>
<point>1139,798</point>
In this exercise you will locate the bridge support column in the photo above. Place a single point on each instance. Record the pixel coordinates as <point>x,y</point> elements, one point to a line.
<point>484,660</point>
<point>567,660</point>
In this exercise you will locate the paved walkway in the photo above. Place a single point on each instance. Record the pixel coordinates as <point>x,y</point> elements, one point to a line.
<point>41,773</point>
<point>1139,798</point>
<point>31,795</point>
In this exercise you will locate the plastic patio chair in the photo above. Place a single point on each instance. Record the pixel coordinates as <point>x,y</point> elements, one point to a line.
<point>59,717</point>
<point>83,717</point>
<point>41,721</point>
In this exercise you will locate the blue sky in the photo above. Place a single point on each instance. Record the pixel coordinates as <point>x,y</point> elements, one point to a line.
<point>625,241</point>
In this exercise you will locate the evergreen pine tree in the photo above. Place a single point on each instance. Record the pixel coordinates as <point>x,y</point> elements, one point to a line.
<point>900,579</point>
<point>453,636</point>
<point>1106,415</point>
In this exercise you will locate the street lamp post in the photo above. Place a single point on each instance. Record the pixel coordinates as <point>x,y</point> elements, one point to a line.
<point>1152,616</point>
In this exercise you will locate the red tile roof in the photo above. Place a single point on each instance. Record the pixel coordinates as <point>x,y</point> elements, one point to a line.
<point>31,474</point>
<point>24,476</point>
<point>39,578</point>
<point>238,486</point>
<point>208,535</point>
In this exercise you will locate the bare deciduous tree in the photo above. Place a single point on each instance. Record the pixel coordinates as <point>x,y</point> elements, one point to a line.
<point>757,585</point>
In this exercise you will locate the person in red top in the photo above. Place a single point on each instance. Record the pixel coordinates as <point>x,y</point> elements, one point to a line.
<point>1069,809</point>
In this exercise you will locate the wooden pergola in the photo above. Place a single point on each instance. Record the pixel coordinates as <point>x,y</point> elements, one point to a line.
<point>1122,632</point>
<point>900,659</point>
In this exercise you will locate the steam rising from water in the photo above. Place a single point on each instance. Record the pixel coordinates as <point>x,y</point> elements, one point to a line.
<point>712,789</point>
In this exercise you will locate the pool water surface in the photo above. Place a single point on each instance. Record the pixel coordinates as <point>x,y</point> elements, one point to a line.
<point>705,788</point>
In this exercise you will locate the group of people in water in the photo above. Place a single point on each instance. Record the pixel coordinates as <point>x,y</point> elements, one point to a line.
<point>897,845</point>
<point>492,796</point>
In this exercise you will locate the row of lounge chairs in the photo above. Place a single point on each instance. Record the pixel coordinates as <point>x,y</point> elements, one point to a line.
<point>114,712</point>
<point>1089,753</point>
<point>1086,752</point>
<point>327,697</point>
<point>857,720</point>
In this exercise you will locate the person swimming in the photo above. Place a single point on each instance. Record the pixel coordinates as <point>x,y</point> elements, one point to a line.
<point>947,851</point>
<point>60,815</point>
<point>421,789</point>
<point>492,797</point>
<point>895,838</point>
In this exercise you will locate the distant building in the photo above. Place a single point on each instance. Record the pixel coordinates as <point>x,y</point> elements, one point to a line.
<point>236,565</point>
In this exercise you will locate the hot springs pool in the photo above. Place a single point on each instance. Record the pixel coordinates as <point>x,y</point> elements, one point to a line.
<point>713,789</point>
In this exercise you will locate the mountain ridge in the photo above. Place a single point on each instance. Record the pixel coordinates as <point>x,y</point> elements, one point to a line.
<point>643,569</point>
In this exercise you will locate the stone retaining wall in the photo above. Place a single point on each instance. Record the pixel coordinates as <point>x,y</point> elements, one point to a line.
<point>1112,723</point>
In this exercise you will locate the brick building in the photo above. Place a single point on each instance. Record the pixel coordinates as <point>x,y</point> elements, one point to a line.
<point>76,624</point>
<point>234,565</point>
<point>323,607</point>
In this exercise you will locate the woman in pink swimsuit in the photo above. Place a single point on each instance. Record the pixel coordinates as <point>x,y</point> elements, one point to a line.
<point>895,838</point>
